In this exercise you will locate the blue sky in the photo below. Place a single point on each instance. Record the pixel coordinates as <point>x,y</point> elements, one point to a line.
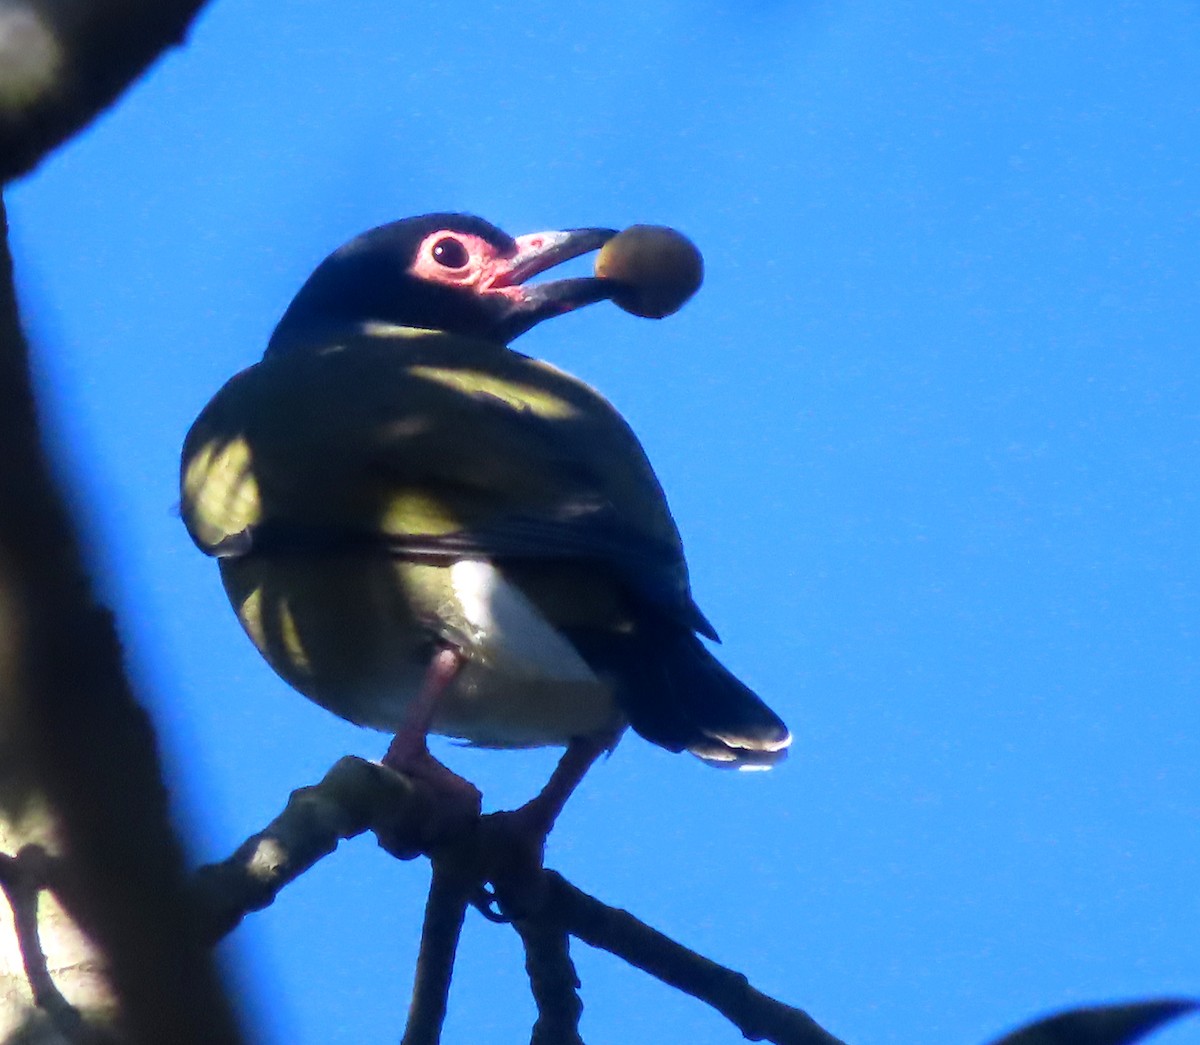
<point>930,432</point>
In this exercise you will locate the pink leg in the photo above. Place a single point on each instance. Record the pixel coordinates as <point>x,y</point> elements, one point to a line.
<point>535,819</point>
<point>408,752</point>
<point>518,838</point>
<point>542,810</point>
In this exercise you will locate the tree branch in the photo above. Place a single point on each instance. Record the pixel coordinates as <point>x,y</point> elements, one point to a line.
<point>758,1016</point>
<point>554,981</point>
<point>445,910</point>
<point>353,797</point>
<point>62,62</point>
<point>21,880</point>
<point>356,796</point>
<point>79,770</point>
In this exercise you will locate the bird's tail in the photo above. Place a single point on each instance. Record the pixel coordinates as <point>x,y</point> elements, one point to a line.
<point>676,694</point>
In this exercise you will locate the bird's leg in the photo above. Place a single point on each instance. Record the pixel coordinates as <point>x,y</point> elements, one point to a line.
<point>516,839</point>
<point>408,752</point>
<point>538,815</point>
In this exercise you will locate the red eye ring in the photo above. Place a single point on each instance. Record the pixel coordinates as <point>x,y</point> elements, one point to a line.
<point>450,253</point>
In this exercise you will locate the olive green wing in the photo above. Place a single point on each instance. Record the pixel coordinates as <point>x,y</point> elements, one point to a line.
<point>433,447</point>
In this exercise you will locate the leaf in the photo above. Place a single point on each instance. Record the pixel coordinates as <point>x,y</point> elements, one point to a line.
<point>1101,1024</point>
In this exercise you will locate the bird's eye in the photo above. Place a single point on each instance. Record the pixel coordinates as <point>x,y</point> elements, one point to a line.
<point>450,253</point>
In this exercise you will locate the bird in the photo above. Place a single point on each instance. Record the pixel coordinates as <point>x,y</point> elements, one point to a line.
<point>423,530</point>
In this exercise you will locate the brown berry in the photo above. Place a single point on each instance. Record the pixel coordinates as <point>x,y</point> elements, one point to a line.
<point>657,267</point>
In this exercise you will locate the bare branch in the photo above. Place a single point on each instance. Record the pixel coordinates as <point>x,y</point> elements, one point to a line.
<point>356,796</point>
<point>62,62</point>
<point>758,1016</point>
<point>353,797</point>
<point>553,980</point>
<point>449,891</point>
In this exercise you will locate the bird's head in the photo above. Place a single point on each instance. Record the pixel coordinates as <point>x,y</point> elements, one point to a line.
<point>449,272</point>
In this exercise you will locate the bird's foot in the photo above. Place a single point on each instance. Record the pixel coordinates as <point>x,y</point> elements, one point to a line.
<point>513,847</point>
<point>455,800</point>
<point>420,765</point>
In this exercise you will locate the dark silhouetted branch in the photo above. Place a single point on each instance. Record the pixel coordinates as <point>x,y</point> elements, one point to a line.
<point>449,892</point>
<point>62,62</point>
<point>79,768</point>
<point>354,796</point>
<point>553,980</point>
<point>758,1016</point>
<point>471,853</point>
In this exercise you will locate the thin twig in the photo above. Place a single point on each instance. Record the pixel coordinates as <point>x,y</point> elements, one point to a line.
<point>758,1016</point>
<point>21,880</point>
<point>449,891</point>
<point>553,979</point>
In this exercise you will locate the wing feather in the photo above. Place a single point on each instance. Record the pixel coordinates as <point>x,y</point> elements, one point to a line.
<point>432,447</point>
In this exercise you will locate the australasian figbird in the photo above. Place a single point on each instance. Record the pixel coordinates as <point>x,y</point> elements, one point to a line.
<point>424,530</point>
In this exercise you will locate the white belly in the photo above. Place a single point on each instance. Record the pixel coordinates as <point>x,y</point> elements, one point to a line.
<point>522,683</point>
<point>353,634</point>
<point>508,633</point>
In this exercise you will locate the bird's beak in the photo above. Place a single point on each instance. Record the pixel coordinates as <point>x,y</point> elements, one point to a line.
<point>536,253</point>
<point>539,251</point>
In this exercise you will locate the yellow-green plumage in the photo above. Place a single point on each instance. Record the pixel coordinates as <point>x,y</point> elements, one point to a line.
<point>398,435</point>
